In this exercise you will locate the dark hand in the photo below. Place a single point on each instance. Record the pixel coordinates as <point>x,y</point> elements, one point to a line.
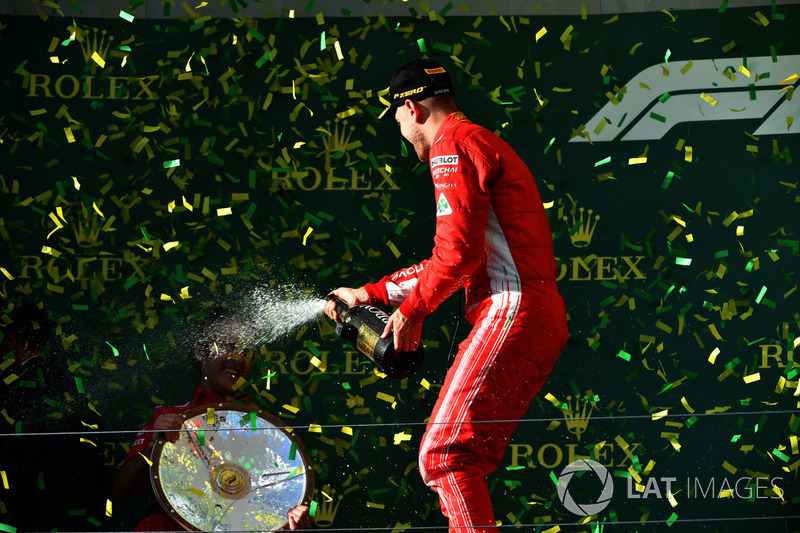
<point>167,424</point>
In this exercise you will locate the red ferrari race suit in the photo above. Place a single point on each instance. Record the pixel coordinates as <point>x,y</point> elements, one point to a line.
<point>492,238</point>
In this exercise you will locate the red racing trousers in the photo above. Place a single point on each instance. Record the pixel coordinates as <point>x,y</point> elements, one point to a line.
<point>499,369</point>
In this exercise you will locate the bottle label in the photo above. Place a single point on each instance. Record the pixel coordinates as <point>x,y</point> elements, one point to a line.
<point>366,340</point>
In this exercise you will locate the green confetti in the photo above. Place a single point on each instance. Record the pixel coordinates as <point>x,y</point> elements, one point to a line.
<point>603,161</point>
<point>421,44</point>
<point>125,16</point>
<point>115,351</point>
<point>761,294</point>
<point>293,451</point>
<point>550,144</point>
<point>312,510</point>
<point>172,164</point>
<point>144,347</point>
<point>683,261</point>
<point>201,437</point>
<point>624,355</point>
<point>367,213</point>
<point>79,385</point>
<point>672,518</point>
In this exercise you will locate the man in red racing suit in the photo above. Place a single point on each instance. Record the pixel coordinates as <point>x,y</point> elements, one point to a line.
<point>493,239</point>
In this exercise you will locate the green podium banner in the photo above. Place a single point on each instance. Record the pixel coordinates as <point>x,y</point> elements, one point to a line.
<point>154,169</point>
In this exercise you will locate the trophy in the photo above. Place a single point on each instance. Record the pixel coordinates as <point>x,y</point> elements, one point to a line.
<point>233,468</point>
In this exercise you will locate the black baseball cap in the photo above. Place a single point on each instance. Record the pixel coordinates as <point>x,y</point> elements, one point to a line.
<point>417,80</point>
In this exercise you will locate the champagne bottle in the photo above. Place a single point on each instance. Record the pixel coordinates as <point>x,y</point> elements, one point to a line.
<point>363,326</point>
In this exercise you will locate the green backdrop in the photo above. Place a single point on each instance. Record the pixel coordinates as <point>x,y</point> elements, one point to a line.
<point>151,169</point>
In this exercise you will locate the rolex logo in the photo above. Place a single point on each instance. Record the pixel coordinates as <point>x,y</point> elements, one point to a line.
<point>327,509</point>
<point>87,235</point>
<point>577,415</point>
<point>337,142</point>
<point>582,229</point>
<point>92,44</point>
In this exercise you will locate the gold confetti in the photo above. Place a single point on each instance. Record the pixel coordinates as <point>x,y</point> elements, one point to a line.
<point>709,99</point>
<point>99,60</point>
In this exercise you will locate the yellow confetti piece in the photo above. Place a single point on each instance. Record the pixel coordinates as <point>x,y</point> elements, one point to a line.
<point>185,293</point>
<point>291,408</point>
<point>729,467</point>
<point>7,274</point>
<point>224,211</point>
<point>686,67</point>
<point>541,33</point>
<point>661,414</point>
<point>210,416</point>
<point>315,428</point>
<point>5,479</point>
<point>671,499</point>
<point>688,156</point>
<point>401,437</point>
<point>338,49</point>
<point>148,461</point>
<point>376,505</point>
<point>108,508</point>
<point>752,378</point>
<point>318,363</point>
<point>166,298</point>
<point>239,383</point>
<point>686,405</point>
<point>637,160</point>
<point>554,529</point>
<point>393,248</point>
<point>88,441</point>
<point>709,99</point>
<point>744,71</point>
<point>634,48</point>
<point>170,245</point>
<point>186,204</point>
<point>385,397</point>
<point>197,492</point>
<point>308,232</point>
<point>347,430</point>
<point>75,183</point>
<point>790,79</point>
<point>68,133</point>
<point>99,60</point>
<point>97,210</point>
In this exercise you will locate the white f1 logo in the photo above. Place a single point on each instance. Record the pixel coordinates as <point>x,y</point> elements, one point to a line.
<point>643,114</point>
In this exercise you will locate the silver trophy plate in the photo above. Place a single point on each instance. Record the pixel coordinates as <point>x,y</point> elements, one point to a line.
<point>232,469</point>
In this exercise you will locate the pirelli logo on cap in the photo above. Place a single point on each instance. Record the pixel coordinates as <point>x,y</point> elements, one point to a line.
<point>438,70</point>
<point>408,93</point>
<point>439,160</point>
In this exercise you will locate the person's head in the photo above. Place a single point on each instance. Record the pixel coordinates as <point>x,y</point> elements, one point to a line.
<point>223,348</point>
<point>419,91</point>
<point>25,329</point>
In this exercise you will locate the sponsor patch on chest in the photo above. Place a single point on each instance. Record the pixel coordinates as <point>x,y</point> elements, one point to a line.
<point>440,160</point>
